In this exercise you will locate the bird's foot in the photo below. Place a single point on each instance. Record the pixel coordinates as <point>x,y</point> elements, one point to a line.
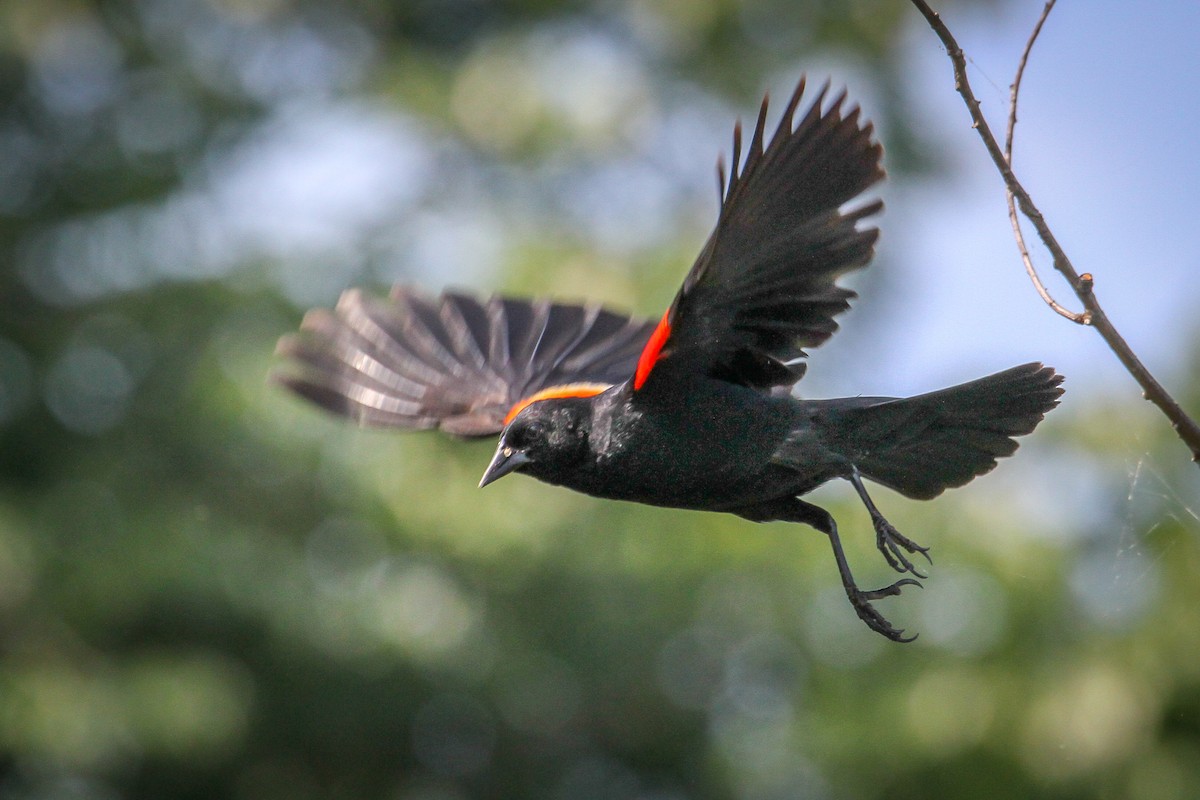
<point>861,600</point>
<point>797,510</point>
<point>896,547</point>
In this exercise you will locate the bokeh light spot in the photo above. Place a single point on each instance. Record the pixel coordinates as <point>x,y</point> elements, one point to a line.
<point>88,389</point>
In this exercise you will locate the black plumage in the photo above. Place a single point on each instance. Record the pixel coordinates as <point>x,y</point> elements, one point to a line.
<point>694,411</point>
<point>453,362</point>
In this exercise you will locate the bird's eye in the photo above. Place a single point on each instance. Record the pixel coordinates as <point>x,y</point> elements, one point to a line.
<point>521,436</point>
<point>517,437</point>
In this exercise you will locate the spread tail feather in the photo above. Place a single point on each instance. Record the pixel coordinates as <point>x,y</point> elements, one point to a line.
<point>922,445</point>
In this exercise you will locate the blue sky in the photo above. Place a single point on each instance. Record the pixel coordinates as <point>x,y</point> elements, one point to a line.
<point>337,188</point>
<point>1104,145</point>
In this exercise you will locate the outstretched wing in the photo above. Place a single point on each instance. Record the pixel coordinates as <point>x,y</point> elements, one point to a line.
<point>452,362</point>
<point>764,286</point>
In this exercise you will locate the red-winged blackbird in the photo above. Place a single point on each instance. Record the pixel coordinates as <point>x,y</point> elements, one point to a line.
<point>695,411</point>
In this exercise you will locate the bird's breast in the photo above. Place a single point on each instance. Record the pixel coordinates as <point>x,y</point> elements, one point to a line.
<point>705,449</point>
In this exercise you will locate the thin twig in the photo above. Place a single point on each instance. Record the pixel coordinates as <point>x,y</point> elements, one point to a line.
<point>1082,285</point>
<point>1082,318</point>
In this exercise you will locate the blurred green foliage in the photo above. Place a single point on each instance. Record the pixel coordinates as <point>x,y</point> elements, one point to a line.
<point>209,590</point>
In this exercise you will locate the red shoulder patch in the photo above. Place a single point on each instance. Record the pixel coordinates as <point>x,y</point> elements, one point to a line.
<point>652,350</point>
<point>551,392</point>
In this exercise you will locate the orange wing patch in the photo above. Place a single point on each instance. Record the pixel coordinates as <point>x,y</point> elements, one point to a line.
<point>566,390</point>
<point>652,350</point>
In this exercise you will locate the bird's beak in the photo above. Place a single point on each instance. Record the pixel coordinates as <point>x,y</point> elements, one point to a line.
<point>505,461</point>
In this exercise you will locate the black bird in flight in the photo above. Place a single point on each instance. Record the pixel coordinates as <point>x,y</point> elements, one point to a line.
<point>694,411</point>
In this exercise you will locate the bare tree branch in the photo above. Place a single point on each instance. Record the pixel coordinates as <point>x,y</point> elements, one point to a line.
<point>1082,285</point>
<point>1083,318</point>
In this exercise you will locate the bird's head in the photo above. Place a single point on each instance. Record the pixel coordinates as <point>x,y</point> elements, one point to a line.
<point>545,435</point>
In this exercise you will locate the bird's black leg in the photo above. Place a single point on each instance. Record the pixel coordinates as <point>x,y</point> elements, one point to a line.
<point>891,542</point>
<point>797,510</point>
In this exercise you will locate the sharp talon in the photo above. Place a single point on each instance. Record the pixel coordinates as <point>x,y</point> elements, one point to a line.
<point>894,545</point>
<point>890,591</point>
<point>875,621</point>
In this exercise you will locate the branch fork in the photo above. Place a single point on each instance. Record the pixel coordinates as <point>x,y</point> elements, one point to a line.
<point>1081,284</point>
